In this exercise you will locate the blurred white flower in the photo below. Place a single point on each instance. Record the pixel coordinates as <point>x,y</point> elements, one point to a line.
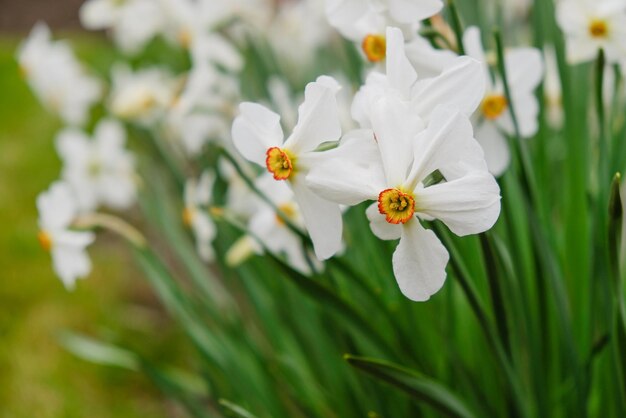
<point>258,136</point>
<point>591,25</point>
<point>203,110</point>
<point>524,68</point>
<point>393,164</point>
<point>191,24</point>
<point>132,22</point>
<point>57,210</point>
<point>365,21</point>
<point>197,199</point>
<point>100,170</point>
<point>56,77</point>
<point>140,96</point>
<point>270,229</point>
<point>553,95</point>
<point>297,32</point>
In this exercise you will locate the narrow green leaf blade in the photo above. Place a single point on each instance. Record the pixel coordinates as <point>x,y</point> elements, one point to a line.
<point>419,387</point>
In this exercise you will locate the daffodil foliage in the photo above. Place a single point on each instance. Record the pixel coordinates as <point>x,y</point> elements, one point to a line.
<point>355,208</point>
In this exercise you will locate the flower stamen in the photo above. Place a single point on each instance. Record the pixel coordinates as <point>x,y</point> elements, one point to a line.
<point>374,47</point>
<point>44,240</point>
<point>493,106</point>
<point>279,162</point>
<point>397,206</point>
<point>598,28</point>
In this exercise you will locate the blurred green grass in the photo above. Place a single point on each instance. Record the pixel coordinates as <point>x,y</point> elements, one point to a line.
<point>38,378</point>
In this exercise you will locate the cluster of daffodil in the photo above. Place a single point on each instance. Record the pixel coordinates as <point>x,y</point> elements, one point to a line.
<point>412,120</point>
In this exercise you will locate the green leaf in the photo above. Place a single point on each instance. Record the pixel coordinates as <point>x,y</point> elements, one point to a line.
<point>235,410</point>
<point>98,352</point>
<point>416,385</point>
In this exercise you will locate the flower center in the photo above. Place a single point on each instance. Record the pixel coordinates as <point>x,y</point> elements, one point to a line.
<point>493,106</point>
<point>289,210</point>
<point>598,28</point>
<point>94,168</point>
<point>397,206</point>
<point>185,38</point>
<point>375,47</point>
<point>188,215</point>
<point>279,162</point>
<point>44,240</point>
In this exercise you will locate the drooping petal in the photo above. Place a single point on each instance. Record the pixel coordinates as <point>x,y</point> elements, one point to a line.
<point>70,261</point>
<point>255,130</point>
<point>427,60</point>
<point>419,262</point>
<point>322,219</point>
<point>73,146</point>
<point>318,118</point>
<point>110,138</point>
<point>379,225</point>
<point>205,231</point>
<point>461,86</point>
<point>467,205</point>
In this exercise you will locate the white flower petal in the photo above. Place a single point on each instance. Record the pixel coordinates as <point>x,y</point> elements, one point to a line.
<point>419,262</point>
<point>524,69</point>
<point>379,225</point>
<point>410,11</point>
<point>460,86</point>
<point>400,73</point>
<point>56,206</point>
<point>255,130</point>
<point>318,119</point>
<point>322,219</point>
<point>467,205</point>
<point>70,264</point>
<point>447,140</point>
<point>495,146</point>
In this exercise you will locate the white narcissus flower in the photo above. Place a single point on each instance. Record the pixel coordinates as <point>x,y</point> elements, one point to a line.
<point>271,230</point>
<point>140,96</point>
<point>57,210</point>
<point>203,110</point>
<point>461,85</point>
<point>190,24</point>
<point>591,25</point>
<point>56,77</point>
<point>258,136</point>
<point>132,22</point>
<point>197,199</point>
<point>393,165</point>
<point>365,21</point>
<point>100,170</point>
<point>524,69</point>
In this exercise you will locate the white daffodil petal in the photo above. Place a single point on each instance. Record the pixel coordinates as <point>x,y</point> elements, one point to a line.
<point>322,219</point>
<point>400,72</point>
<point>447,140</point>
<point>409,11</point>
<point>70,264</point>
<point>461,86</point>
<point>467,205</point>
<point>56,206</point>
<point>379,225</point>
<point>318,118</point>
<point>255,130</point>
<point>494,145</point>
<point>419,262</point>
<point>524,69</point>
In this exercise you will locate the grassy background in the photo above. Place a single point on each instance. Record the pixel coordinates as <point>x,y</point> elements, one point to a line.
<point>38,378</point>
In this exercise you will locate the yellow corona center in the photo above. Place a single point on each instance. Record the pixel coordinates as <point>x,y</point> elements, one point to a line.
<point>188,215</point>
<point>598,28</point>
<point>375,47</point>
<point>493,106</point>
<point>280,163</point>
<point>44,240</point>
<point>185,38</point>
<point>289,210</point>
<point>397,206</point>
